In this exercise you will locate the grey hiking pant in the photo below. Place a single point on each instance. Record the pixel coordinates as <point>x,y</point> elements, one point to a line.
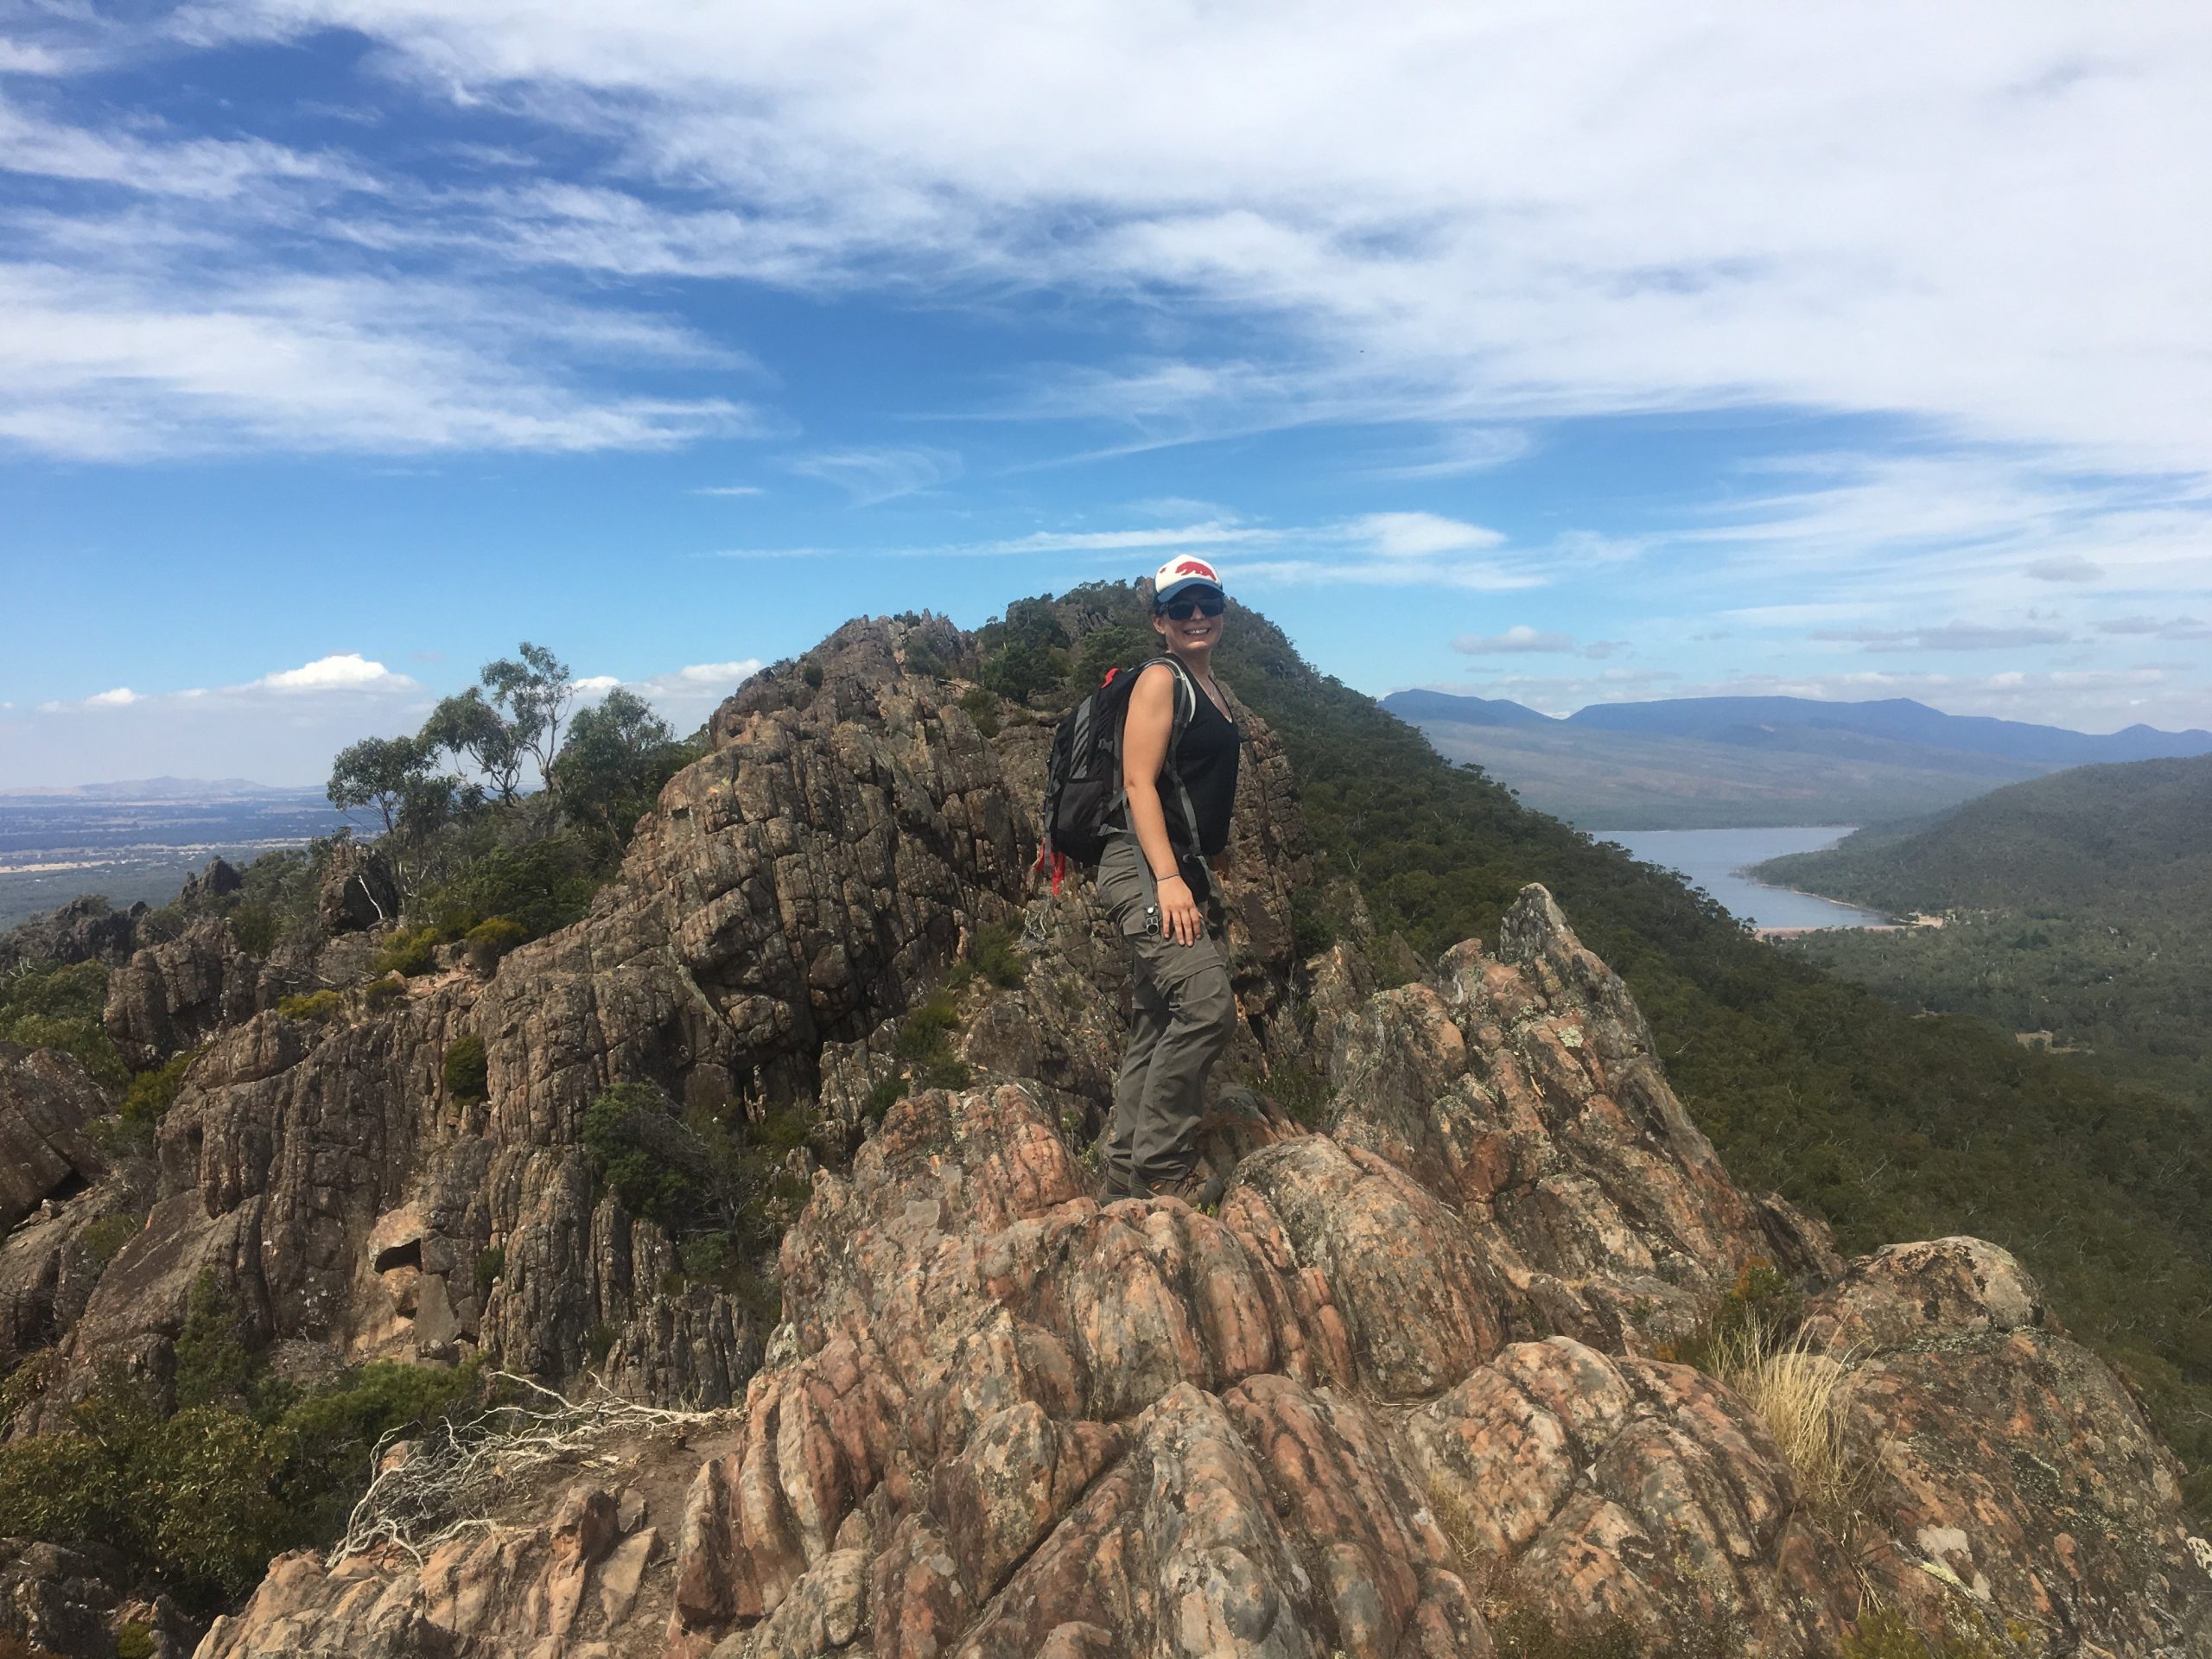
<point>1181,1016</point>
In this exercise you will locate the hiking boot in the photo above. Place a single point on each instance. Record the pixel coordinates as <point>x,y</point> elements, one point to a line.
<point>1198,1186</point>
<point>1113,1186</point>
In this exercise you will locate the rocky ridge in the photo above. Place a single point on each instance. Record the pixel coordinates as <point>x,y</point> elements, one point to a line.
<point>1412,1373</point>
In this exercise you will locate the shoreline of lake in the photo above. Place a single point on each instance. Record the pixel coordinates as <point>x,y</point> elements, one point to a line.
<point>1716,860</point>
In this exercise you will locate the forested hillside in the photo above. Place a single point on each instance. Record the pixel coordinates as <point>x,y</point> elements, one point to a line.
<point>2077,905</point>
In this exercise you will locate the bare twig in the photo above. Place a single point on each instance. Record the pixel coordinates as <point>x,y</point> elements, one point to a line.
<point>449,1480</point>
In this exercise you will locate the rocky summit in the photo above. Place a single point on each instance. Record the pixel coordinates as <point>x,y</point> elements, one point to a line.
<point>1477,1352</point>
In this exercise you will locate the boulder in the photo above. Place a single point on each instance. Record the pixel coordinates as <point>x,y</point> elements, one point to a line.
<point>46,1101</point>
<point>172,996</point>
<point>357,890</point>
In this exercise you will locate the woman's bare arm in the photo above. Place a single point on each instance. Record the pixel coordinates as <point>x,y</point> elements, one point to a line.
<point>1151,723</point>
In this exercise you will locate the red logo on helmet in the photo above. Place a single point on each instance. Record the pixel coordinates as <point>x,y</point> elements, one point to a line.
<point>1192,568</point>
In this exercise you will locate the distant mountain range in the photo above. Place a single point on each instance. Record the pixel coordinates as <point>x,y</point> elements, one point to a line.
<point>160,788</point>
<point>1727,762</point>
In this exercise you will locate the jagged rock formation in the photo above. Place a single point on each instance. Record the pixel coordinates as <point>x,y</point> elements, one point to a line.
<point>176,996</point>
<point>84,930</point>
<point>1367,1404</point>
<point>1412,1370</point>
<point>46,1100</point>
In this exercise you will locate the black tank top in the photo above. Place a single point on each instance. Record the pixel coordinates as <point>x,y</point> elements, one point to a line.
<point>1206,761</point>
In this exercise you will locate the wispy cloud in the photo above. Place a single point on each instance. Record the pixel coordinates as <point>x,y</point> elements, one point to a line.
<point>868,476</point>
<point>1517,638</point>
<point>2167,627</point>
<point>730,490</point>
<point>1950,636</point>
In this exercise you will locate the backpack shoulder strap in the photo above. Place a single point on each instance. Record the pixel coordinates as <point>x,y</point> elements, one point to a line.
<point>1170,777</point>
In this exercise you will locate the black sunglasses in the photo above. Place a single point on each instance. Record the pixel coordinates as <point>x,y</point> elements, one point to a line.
<point>1182,610</point>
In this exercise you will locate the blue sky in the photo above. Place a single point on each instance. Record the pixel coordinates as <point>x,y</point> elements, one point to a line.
<point>1567,353</point>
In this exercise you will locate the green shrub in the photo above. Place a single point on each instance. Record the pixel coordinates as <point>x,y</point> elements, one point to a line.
<point>812,673</point>
<point>200,1501</point>
<point>924,1040</point>
<point>134,1641</point>
<point>542,886</point>
<point>386,992</point>
<point>640,1150</point>
<point>325,1441</point>
<point>257,925</point>
<point>599,1342</point>
<point>1757,1313</point>
<point>104,1239</point>
<point>490,1264</point>
<point>1885,1633</point>
<point>491,940</point>
<point>61,1009</point>
<point>153,1092</point>
<point>996,957</point>
<point>213,1364</point>
<point>882,1095</point>
<point>926,1027</point>
<point>982,707</point>
<point>87,1041</point>
<point>409,951</point>
<point>311,1005</point>
<point>467,1070</point>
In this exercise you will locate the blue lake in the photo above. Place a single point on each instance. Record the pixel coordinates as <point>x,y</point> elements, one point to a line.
<point>1715,860</point>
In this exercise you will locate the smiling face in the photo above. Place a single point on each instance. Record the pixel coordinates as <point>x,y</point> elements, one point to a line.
<point>1195,636</point>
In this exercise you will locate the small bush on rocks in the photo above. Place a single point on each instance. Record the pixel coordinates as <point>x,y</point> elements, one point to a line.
<point>996,956</point>
<point>409,951</point>
<point>311,1005</point>
<point>104,1239</point>
<point>153,1092</point>
<point>467,1069</point>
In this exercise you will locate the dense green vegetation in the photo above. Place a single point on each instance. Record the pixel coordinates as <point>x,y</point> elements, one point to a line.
<point>201,1490</point>
<point>2079,905</point>
<point>1890,1127</point>
<point>45,1005</point>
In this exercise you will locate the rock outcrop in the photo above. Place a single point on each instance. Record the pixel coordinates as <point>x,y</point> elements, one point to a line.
<point>1368,1407</point>
<point>174,996</point>
<point>84,930</point>
<point>356,892</point>
<point>1411,1381</point>
<point>46,1101</point>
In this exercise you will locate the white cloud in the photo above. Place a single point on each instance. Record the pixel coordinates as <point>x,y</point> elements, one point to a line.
<point>1981,216</point>
<point>111,367</point>
<point>281,728</point>
<point>2065,567</point>
<point>682,696</point>
<point>1519,638</point>
<point>340,671</point>
<point>1214,533</point>
<point>730,489</point>
<point>872,475</point>
<point>1416,535</point>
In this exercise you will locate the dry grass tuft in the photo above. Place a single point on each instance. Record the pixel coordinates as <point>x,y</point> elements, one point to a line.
<point>1798,1393</point>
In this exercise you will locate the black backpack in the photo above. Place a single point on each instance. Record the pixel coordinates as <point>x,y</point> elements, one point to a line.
<point>1084,797</point>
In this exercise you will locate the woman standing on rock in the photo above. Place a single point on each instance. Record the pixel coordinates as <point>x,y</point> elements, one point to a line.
<point>1179,749</point>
